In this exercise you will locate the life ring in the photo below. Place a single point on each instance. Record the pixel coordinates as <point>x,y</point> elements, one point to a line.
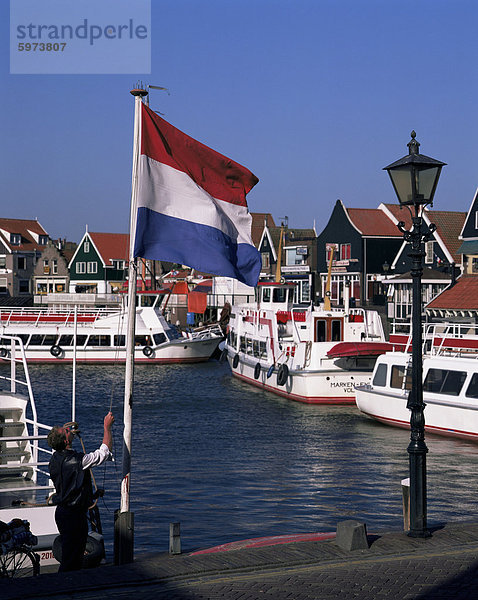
<point>148,351</point>
<point>257,371</point>
<point>3,352</point>
<point>282,374</point>
<point>55,351</point>
<point>270,371</point>
<point>94,551</point>
<point>235,361</point>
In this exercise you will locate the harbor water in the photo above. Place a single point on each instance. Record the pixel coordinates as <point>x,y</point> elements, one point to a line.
<point>230,462</point>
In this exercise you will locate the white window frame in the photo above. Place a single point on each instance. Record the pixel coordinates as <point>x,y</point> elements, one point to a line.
<point>81,268</point>
<point>429,252</point>
<point>86,247</point>
<point>92,267</point>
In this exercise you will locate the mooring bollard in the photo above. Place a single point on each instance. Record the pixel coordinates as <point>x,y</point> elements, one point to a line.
<point>351,535</point>
<point>175,538</point>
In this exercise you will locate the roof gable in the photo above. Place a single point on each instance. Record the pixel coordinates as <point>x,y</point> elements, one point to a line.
<point>470,229</point>
<point>111,246</point>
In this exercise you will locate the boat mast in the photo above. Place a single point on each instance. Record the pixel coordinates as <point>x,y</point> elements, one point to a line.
<point>124,524</point>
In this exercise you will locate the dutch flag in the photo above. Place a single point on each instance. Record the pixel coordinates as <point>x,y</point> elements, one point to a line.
<point>191,206</point>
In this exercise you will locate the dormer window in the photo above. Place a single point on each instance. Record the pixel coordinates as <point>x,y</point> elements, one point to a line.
<point>43,240</point>
<point>15,239</point>
<point>118,264</point>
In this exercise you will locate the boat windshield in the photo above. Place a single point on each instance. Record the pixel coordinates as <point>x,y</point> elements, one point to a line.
<point>173,332</point>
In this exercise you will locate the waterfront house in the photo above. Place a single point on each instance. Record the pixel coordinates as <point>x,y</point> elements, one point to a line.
<point>362,244</point>
<point>51,275</point>
<point>441,263</point>
<point>21,244</point>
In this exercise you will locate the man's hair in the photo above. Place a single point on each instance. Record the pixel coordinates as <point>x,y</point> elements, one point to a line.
<point>57,438</point>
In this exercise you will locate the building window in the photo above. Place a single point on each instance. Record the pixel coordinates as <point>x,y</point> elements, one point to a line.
<point>15,239</point>
<point>54,266</point>
<point>429,253</point>
<point>81,267</point>
<point>293,258</point>
<point>86,247</point>
<point>24,286</point>
<point>3,285</point>
<point>118,264</point>
<point>3,262</point>
<point>43,240</point>
<point>92,267</point>
<point>476,219</point>
<point>265,260</point>
<point>46,267</point>
<point>21,263</point>
<point>345,251</point>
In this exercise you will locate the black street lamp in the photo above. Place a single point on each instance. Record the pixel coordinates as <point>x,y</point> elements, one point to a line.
<point>414,179</point>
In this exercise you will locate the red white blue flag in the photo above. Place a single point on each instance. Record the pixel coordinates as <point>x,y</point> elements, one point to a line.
<point>192,205</point>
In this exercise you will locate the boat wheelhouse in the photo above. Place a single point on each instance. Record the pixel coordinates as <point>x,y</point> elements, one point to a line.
<point>310,354</point>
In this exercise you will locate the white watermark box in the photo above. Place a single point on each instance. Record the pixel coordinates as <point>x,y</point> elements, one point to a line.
<point>80,37</point>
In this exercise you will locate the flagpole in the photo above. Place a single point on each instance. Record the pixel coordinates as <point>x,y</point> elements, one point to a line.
<point>124,522</point>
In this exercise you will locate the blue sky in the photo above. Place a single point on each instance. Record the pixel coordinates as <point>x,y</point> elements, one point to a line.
<point>314,96</point>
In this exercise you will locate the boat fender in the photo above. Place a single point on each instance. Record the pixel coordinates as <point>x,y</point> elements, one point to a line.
<point>55,351</point>
<point>270,371</point>
<point>282,374</point>
<point>3,352</point>
<point>235,361</point>
<point>148,351</point>
<point>94,551</point>
<point>257,371</point>
<point>223,355</point>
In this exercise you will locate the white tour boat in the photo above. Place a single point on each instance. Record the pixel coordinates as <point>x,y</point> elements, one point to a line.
<point>450,384</point>
<point>99,335</point>
<point>308,354</point>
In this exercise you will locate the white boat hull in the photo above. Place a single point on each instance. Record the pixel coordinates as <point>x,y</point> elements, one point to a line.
<point>326,386</point>
<point>445,414</point>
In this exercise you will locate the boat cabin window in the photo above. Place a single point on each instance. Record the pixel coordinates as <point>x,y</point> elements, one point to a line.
<point>173,333</point>
<point>472,391</point>
<point>68,340</point>
<point>242,344</point>
<point>43,340</point>
<point>148,299</point>
<point>159,338</point>
<point>248,346</point>
<point>396,379</point>
<point>255,348</point>
<point>119,340</point>
<point>266,294</point>
<point>336,330</point>
<point>320,330</point>
<point>443,381</point>
<point>380,377</point>
<point>231,339</point>
<point>279,295</point>
<point>142,340</point>
<point>263,349</point>
<point>99,340</point>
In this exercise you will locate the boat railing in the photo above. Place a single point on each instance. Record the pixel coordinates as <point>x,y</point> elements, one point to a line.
<point>35,317</point>
<point>454,339</point>
<point>17,381</point>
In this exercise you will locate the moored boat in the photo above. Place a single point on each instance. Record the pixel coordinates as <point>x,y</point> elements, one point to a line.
<point>450,386</point>
<point>312,354</point>
<point>99,335</point>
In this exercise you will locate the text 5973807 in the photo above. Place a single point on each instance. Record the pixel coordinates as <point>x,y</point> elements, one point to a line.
<point>41,46</point>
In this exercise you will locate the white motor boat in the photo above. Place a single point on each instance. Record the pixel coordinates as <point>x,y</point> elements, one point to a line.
<point>450,385</point>
<point>308,354</point>
<point>98,336</point>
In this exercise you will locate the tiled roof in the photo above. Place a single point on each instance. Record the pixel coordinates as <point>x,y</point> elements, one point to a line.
<point>449,225</point>
<point>22,227</point>
<point>401,214</point>
<point>258,220</point>
<point>373,222</point>
<point>462,296</point>
<point>111,246</point>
